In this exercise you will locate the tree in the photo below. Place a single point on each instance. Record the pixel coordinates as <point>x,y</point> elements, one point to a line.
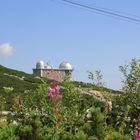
<point>131,75</point>
<point>96,77</point>
<point>126,107</point>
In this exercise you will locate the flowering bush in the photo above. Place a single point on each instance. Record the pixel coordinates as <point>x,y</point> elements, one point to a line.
<point>136,136</point>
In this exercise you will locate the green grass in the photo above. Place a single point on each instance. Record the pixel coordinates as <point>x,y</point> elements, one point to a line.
<point>95,87</point>
<point>12,78</point>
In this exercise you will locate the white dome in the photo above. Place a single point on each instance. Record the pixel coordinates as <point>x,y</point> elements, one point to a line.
<point>40,65</point>
<point>48,66</point>
<point>65,65</point>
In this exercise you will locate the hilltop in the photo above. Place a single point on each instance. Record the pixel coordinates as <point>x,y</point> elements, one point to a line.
<point>22,82</point>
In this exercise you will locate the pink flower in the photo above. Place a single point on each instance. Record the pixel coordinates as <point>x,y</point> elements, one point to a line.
<point>57,89</point>
<point>136,136</point>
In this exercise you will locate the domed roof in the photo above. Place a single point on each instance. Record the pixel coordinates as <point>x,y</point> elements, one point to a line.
<point>48,66</point>
<point>40,65</point>
<point>65,65</point>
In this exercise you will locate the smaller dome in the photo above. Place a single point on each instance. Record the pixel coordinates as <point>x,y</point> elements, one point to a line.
<point>65,65</point>
<point>40,65</point>
<point>48,66</point>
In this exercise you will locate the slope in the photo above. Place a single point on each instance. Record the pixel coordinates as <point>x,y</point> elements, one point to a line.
<point>20,81</point>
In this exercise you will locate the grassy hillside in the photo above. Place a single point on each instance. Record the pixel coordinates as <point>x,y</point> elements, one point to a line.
<point>81,112</point>
<point>92,86</point>
<point>20,81</point>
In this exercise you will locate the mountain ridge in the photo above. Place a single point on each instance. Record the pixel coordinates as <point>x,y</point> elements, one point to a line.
<point>23,82</point>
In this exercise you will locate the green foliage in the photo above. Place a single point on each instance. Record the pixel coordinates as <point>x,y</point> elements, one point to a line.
<point>90,75</point>
<point>8,133</point>
<point>117,136</point>
<point>25,131</point>
<point>16,79</point>
<point>8,89</point>
<point>2,102</point>
<point>36,117</point>
<point>95,125</point>
<point>96,77</point>
<point>81,136</point>
<point>131,75</point>
<point>38,122</point>
<point>126,107</point>
<point>95,87</point>
<point>125,111</point>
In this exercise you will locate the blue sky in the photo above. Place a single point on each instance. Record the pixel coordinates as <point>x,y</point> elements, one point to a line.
<point>52,31</point>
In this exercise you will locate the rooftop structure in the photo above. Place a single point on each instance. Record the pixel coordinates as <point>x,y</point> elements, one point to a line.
<point>65,66</point>
<point>47,70</point>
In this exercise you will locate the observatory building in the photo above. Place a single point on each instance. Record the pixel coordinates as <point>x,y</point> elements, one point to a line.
<point>47,70</point>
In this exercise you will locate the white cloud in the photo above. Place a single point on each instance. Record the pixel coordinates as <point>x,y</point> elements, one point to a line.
<point>6,50</point>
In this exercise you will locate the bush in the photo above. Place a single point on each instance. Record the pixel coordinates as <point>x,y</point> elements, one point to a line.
<point>117,136</point>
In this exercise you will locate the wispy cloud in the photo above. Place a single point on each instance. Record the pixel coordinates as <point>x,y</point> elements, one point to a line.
<point>6,50</point>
